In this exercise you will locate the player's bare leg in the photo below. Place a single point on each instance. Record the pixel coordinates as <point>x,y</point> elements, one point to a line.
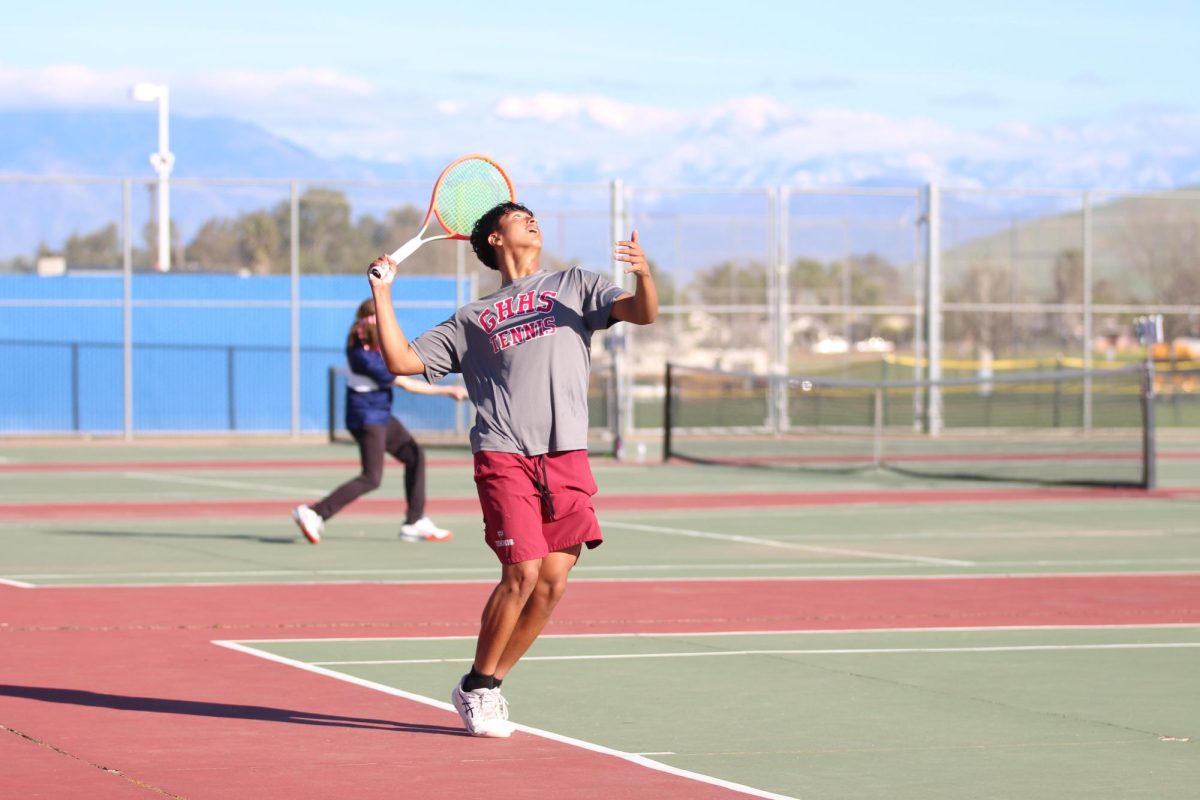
<point>502,612</point>
<point>551,584</point>
<point>479,703</point>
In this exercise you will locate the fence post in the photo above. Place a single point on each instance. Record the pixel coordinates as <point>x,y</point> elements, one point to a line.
<point>231,400</point>
<point>294,240</point>
<point>933,308</point>
<point>1088,321</point>
<point>460,299</point>
<point>127,307</point>
<point>619,360</point>
<point>75,386</point>
<point>782,299</point>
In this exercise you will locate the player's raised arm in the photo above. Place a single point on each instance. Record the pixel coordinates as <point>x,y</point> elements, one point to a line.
<point>641,307</point>
<point>398,355</point>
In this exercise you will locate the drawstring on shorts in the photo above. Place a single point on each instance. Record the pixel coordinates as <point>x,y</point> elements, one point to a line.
<point>542,482</point>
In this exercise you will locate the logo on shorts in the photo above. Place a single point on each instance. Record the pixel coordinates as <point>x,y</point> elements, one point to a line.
<point>503,542</point>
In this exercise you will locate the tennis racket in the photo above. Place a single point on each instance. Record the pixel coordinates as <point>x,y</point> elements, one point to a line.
<point>467,189</point>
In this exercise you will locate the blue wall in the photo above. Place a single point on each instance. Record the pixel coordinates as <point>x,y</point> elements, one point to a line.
<point>210,352</point>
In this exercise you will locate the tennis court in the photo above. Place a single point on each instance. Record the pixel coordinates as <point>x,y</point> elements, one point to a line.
<point>743,632</point>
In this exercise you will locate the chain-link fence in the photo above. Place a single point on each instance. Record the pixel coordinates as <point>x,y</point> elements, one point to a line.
<point>849,283</point>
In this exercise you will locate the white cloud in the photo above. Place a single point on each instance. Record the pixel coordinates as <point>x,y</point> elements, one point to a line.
<point>744,140</point>
<point>64,85</point>
<point>450,107</point>
<point>548,107</point>
<point>243,83</point>
<point>234,92</point>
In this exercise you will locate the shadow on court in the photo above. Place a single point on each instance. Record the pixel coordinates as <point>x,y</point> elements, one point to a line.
<point>160,705</point>
<point>162,535</point>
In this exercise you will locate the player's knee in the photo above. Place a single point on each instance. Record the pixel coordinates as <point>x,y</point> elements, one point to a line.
<point>553,588</point>
<point>411,454</point>
<point>371,480</point>
<point>522,578</point>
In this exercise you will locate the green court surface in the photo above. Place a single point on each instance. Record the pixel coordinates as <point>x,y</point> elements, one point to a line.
<point>1045,713</point>
<point>1023,535</point>
<point>1140,536</point>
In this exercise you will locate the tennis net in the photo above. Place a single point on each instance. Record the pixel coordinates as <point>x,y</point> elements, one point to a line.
<point>1068,427</point>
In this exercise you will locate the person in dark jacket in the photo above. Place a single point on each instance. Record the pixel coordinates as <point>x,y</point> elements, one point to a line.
<point>370,421</point>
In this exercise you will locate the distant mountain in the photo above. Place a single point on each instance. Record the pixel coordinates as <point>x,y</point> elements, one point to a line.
<point>117,144</point>
<point>747,144</point>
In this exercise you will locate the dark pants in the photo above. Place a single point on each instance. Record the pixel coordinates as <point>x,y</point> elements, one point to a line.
<point>373,442</point>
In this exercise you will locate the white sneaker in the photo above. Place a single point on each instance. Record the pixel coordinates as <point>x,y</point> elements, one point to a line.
<point>310,523</point>
<point>484,712</point>
<point>423,530</point>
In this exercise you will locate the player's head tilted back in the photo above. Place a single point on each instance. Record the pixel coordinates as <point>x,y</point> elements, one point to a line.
<point>489,224</point>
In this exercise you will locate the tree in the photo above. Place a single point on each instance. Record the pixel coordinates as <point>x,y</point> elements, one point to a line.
<point>101,248</point>
<point>812,283</point>
<point>215,246</point>
<point>981,282</point>
<point>260,243</point>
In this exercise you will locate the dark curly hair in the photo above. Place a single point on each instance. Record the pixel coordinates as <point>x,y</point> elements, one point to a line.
<point>488,224</point>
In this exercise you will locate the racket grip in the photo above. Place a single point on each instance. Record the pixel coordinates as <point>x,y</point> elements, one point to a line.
<point>407,249</point>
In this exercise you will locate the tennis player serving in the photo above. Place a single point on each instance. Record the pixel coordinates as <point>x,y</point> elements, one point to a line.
<point>525,355</point>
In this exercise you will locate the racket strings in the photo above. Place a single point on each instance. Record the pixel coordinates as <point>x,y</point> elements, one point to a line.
<point>467,192</point>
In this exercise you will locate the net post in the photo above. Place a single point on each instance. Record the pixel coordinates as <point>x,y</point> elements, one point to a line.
<point>332,390</point>
<point>1056,409</point>
<point>877,444</point>
<point>667,415</point>
<point>1149,448</point>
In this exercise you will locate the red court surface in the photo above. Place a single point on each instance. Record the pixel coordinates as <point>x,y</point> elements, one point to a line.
<point>119,692</point>
<point>604,502</point>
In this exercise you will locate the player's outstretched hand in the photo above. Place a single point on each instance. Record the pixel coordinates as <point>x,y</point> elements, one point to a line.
<point>631,252</point>
<point>382,271</point>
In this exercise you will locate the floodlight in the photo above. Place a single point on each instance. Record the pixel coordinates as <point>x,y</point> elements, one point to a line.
<point>162,161</point>
<point>147,92</point>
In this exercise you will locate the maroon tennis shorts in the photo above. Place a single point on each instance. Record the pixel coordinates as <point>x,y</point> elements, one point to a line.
<point>534,505</point>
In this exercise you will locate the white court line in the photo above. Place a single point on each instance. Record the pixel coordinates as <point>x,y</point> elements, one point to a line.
<point>825,652</point>
<point>930,534</point>
<point>794,632</point>
<point>261,487</point>
<point>17,584</point>
<point>633,758</point>
<point>680,579</point>
<point>731,537</point>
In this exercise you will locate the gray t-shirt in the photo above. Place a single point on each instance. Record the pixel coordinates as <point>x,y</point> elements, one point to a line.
<point>525,355</point>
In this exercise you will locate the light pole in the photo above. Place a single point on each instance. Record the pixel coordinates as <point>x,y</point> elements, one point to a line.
<point>162,161</point>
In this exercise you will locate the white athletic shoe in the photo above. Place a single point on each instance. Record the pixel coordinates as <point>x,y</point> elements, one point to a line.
<point>310,523</point>
<point>423,530</point>
<point>484,712</point>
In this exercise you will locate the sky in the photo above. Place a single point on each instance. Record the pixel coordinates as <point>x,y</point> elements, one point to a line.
<point>919,83</point>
